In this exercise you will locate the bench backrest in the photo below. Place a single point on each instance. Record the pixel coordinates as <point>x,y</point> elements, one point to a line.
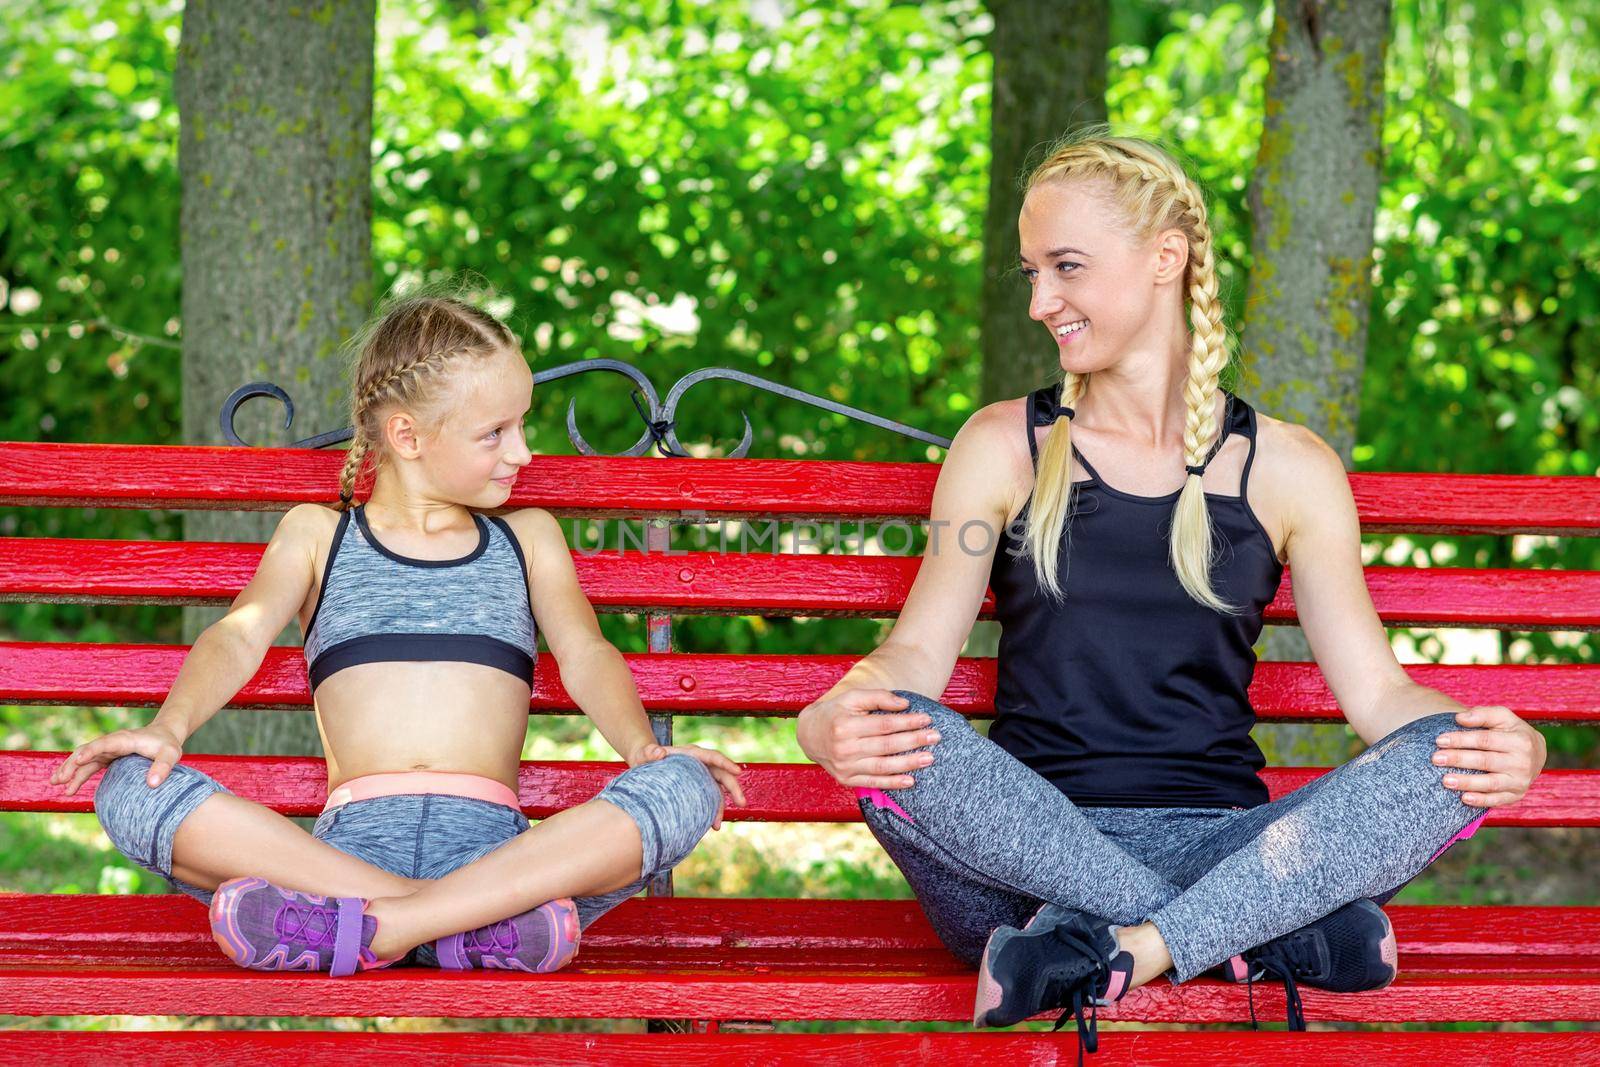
<point>660,585</point>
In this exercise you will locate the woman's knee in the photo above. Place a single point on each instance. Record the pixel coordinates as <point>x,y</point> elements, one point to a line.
<point>951,724</point>
<point>925,705</point>
<point>1403,760</point>
<point>1416,742</point>
<point>118,802</point>
<point>673,800</point>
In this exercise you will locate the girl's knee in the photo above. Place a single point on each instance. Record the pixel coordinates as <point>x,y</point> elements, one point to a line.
<point>121,794</point>
<point>696,794</point>
<point>673,800</point>
<point>139,819</point>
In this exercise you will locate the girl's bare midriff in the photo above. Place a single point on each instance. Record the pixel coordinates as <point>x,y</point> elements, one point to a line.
<point>377,718</point>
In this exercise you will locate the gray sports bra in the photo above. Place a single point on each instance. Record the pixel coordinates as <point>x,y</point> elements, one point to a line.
<point>379,606</point>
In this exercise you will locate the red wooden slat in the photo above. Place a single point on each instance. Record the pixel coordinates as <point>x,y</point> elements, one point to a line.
<point>272,479</point>
<point>36,928</point>
<point>718,683</point>
<point>725,992</point>
<point>1123,1048</point>
<point>763,583</point>
<point>777,792</point>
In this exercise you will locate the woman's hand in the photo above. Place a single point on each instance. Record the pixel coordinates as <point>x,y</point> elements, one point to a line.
<point>156,743</point>
<point>724,770</point>
<point>1508,749</point>
<point>862,750</point>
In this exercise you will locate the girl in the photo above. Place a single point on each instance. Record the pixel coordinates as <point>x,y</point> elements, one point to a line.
<point>1114,813</point>
<point>419,618</point>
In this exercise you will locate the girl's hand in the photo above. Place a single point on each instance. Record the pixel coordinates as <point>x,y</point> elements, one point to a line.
<point>724,770</point>
<point>1508,749</point>
<point>156,743</point>
<point>863,750</point>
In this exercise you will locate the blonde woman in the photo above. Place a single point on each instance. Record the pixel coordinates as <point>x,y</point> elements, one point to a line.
<point>1113,827</point>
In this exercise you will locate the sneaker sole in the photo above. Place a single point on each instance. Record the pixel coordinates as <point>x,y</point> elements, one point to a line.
<point>1389,951</point>
<point>567,934</point>
<point>562,919</point>
<point>225,930</point>
<point>990,990</point>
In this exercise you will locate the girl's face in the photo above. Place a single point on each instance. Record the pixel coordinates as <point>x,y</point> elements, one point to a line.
<point>475,454</point>
<point>1093,287</point>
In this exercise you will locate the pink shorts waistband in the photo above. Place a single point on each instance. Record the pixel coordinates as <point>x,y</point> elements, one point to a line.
<point>449,783</point>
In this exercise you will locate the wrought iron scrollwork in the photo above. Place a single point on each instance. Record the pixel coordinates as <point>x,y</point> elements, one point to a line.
<point>660,418</point>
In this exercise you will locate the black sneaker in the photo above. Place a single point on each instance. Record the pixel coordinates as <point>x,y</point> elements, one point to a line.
<point>1346,951</point>
<point>1062,959</point>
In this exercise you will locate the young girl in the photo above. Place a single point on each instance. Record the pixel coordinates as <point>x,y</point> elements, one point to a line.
<point>419,618</point>
<point>1113,827</point>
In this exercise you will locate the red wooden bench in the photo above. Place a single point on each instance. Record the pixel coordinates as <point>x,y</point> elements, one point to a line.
<point>722,961</point>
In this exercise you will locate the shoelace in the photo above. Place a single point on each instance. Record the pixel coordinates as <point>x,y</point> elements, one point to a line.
<point>1068,994</point>
<point>487,938</point>
<point>291,913</point>
<point>1290,956</point>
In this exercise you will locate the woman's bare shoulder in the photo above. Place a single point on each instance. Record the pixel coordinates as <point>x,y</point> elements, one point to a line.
<point>990,455</point>
<point>1296,476</point>
<point>1287,449</point>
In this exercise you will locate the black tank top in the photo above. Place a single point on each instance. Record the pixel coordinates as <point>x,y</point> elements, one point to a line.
<point>1129,693</point>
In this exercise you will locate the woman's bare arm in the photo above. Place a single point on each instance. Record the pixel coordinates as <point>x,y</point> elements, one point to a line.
<point>986,466</point>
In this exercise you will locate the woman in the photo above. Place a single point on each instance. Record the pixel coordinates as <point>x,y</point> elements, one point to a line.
<point>1113,827</point>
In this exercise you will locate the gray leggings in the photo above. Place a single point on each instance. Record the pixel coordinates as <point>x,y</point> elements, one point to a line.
<point>673,800</point>
<point>984,840</point>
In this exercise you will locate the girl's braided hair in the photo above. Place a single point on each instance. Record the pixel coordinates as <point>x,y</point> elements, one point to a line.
<point>405,356</point>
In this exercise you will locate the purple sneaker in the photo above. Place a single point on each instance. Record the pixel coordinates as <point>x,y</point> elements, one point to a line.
<point>538,941</point>
<point>268,928</point>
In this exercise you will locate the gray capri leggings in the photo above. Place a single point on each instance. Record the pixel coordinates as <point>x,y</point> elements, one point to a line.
<point>984,840</point>
<point>673,800</point>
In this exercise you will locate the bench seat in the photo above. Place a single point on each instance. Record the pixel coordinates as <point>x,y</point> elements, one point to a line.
<point>714,958</point>
<point>1129,1049</point>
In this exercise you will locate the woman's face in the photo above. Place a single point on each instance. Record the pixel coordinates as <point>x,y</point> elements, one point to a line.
<point>1093,287</point>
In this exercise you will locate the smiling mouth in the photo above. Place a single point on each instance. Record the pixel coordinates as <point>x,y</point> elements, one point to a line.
<point>1071,328</point>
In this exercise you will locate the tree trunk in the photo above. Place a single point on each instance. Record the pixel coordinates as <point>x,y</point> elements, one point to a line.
<point>274,151</point>
<point>1049,77</point>
<point>1312,200</point>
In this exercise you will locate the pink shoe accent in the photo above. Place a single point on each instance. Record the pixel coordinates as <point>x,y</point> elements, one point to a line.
<point>1118,984</point>
<point>564,936</point>
<point>1466,832</point>
<point>881,799</point>
<point>1389,952</point>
